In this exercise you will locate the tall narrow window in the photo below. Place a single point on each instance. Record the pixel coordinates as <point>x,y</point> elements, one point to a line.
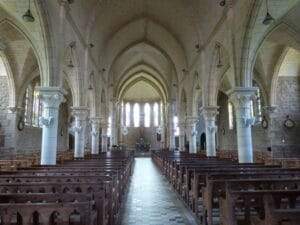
<point>155,112</point>
<point>257,104</point>
<point>147,115</point>
<point>28,105</point>
<point>176,127</point>
<point>127,114</point>
<point>33,105</point>
<point>136,115</point>
<point>258,101</point>
<point>37,108</point>
<point>230,115</point>
<point>109,127</point>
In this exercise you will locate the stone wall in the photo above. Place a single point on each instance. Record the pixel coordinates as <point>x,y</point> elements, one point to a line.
<point>285,142</point>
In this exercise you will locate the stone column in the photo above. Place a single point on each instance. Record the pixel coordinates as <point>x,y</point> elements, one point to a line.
<point>241,98</point>
<point>51,98</point>
<point>131,124</point>
<point>114,124</point>
<point>80,113</point>
<point>95,122</point>
<point>182,136</point>
<point>142,114</point>
<point>171,108</point>
<point>191,126</point>
<point>151,114</point>
<point>209,114</point>
<point>104,137</point>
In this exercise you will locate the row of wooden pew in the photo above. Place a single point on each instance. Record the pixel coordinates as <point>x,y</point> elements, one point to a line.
<point>82,192</point>
<point>225,192</point>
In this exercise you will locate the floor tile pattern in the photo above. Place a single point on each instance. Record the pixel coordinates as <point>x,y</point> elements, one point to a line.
<point>150,200</point>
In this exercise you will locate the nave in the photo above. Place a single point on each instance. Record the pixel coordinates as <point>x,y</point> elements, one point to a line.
<point>150,199</point>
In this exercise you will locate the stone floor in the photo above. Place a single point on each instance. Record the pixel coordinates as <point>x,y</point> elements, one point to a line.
<point>150,200</point>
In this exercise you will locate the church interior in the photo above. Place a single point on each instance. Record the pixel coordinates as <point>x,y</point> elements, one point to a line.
<point>149,112</point>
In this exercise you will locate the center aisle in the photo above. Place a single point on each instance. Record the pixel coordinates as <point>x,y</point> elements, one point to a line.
<point>150,199</point>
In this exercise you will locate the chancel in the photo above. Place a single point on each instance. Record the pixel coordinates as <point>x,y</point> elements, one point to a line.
<point>149,112</point>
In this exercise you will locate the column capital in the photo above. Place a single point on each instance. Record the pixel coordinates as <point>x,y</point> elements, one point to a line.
<point>191,120</point>
<point>209,112</point>
<point>240,96</point>
<point>80,112</point>
<point>95,120</point>
<point>51,96</point>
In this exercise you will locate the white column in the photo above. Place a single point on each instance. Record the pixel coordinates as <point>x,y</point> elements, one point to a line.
<point>51,98</point>
<point>80,114</point>
<point>209,114</point>
<point>104,137</point>
<point>241,98</point>
<point>192,134</point>
<point>95,122</point>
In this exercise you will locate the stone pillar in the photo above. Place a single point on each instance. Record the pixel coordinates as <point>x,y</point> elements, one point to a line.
<point>209,114</point>
<point>152,114</point>
<point>131,124</point>
<point>142,114</point>
<point>51,98</point>
<point>182,130</point>
<point>191,127</point>
<point>171,114</point>
<point>95,122</point>
<point>241,98</point>
<point>114,124</point>
<point>104,137</point>
<point>80,113</point>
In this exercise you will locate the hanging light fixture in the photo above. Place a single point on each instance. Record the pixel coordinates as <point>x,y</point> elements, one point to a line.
<point>28,17</point>
<point>219,65</point>
<point>268,18</point>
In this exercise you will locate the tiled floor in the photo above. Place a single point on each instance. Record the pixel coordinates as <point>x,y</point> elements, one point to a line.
<point>150,200</point>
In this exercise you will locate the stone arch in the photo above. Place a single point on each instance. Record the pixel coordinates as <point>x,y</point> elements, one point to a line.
<point>11,81</point>
<point>148,78</point>
<point>256,33</point>
<point>220,64</point>
<point>26,36</point>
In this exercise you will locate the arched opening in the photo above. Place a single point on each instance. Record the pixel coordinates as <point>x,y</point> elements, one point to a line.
<point>203,141</point>
<point>55,218</point>
<point>35,218</point>
<point>75,218</point>
<point>16,219</point>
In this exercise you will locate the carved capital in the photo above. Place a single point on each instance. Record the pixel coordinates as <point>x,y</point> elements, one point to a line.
<point>51,97</point>
<point>46,121</point>
<point>248,122</point>
<point>241,96</point>
<point>212,129</point>
<point>80,112</point>
<point>209,112</point>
